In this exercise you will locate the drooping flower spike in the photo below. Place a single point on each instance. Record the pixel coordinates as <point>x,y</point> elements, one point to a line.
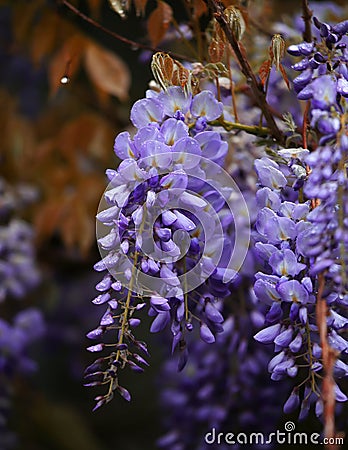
<point>174,241</point>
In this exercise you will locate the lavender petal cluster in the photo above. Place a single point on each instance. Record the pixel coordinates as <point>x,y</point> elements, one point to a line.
<point>287,283</point>
<point>168,232</point>
<point>324,75</point>
<point>221,386</point>
<point>300,239</point>
<point>18,269</point>
<point>326,243</point>
<point>16,338</point>
<point>18,275</point>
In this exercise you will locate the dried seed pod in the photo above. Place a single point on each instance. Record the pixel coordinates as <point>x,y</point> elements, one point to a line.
<point>162,66</point>
<point>169,72</point>
<point>236,21</point>
<point>277,50</point>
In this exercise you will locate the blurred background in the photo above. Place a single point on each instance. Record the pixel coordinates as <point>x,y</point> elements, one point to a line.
<point>66,88</point>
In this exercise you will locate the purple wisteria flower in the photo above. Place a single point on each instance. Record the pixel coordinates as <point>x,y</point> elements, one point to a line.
<point>16,338</point>
<point>169,238</point>
<point>222,384</point>
<point>166,237</point>
<point>286,242</point>
<point>18,275</point>
<point>18,269</point>
<point>324,242</point>
<point>28,326</point>
<point>299,240</point>
<point>324,73</point>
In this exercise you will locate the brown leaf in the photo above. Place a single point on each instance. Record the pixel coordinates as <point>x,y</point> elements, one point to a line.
<point>158,22</point>
<point>168,67</point>
<point>18,141</point>
<point>91,189</point>
<point>69,225</point>
<point>47,27</point>
<point>284,75</point>
<point>23,17</point>
<point>219,34</point>
<point>103,98</point>
<point>264,71</point>
<point>140,6</point>
<point>48,217</point>
<point>162,66</point>
<point>86,134</point>
<point>66,61</point>
<point>181,75</point>
<point>199,8</point>
<point>77,226</point>
<point>107,71</point>
<point>216,50</point>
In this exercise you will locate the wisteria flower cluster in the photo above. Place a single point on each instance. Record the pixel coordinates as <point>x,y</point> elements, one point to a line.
<point>287,284</point>
<point>301,227</point>
<point>171,220</point>
<point>174,232</point>
<point>18,275</point>
<point>16,338</point>
<point>18,271</point>
<point>220,384</point>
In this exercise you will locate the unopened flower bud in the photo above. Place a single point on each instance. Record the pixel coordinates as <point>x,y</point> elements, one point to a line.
<point>236,21</point>
<point>277,49</point>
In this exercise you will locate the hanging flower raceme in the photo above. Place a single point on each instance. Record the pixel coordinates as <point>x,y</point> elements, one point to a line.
<point>169,224</point>
<point>323,68</point>
<point>18,275</point>
<point>18,270</point>
<point>220,386</point>
<point>325,243</point>
<point>300,239</point>
<point>288,283</point>
<point>28,326</point>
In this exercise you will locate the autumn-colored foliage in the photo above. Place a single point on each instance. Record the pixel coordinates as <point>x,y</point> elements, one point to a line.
<point>65,148</point>
<point>158,22</point>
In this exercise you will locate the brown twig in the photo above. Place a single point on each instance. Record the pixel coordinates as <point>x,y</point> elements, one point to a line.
<point>131,43</point>
<point>233,93</point>
<point>329,356</point>
<point>217,8</point>
<point>307,19</point>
